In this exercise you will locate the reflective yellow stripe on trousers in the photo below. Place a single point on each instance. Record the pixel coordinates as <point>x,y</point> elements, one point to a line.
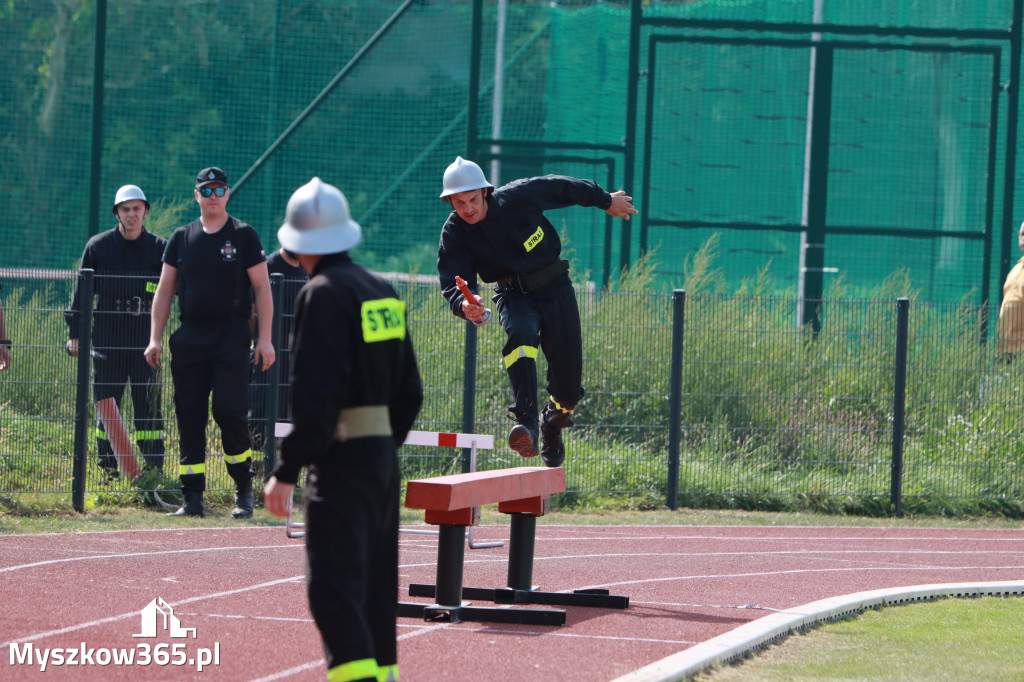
<point>560,408</point>
<point>354,670</point>
<point>521,352</point>
<point>238,459</point>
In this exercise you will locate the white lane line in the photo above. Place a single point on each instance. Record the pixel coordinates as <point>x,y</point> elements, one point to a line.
<point>148,530</point>
<point>783,552</point>
<point>420,630</point>
<point>51,562</point>
<point>135,614</point>
<point>547,633</point>
<point>293,671</point>
<point>784,538</point>
<point>634,602</point>
<point>229,616</point>
<point>803,570</point>
<point>786,527</point>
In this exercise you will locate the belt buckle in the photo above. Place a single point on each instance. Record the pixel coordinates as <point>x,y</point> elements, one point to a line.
<point>513,283</point>
<point>135,305</point>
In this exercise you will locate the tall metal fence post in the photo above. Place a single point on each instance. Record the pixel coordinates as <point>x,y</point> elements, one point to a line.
<point>273,380</point>
<point>96,148</point>
<point>469,391</point>
<point>472,134</point>
<point>86,286</point>
<point>675,400</point>
<point>899,399</point>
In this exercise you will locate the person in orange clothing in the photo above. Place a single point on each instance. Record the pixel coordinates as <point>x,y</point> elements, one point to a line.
<point>1010,328</point>
<point>5,343</point>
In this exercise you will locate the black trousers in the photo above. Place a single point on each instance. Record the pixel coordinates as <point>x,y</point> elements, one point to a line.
<point>215,360</point>
<point>548,319</point>
<point>118,367</point>
<point>351,510</point>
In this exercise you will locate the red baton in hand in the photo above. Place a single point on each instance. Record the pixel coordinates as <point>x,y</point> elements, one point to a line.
<point>464,288</point>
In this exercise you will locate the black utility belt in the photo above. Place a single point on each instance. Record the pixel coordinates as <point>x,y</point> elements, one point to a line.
<point>135,305</point>
<point>532,281</point>
<point>212,322</point>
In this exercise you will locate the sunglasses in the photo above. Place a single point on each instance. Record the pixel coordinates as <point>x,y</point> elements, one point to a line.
<point>208,191</point>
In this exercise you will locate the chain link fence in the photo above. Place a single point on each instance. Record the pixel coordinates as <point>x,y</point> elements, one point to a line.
<point>766,408</point>
<point>703,110</point>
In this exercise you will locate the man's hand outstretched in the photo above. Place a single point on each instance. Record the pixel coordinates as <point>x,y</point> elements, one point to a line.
<point>622,205</point>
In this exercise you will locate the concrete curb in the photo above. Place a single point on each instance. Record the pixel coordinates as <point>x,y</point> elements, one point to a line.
<point>776,627</point>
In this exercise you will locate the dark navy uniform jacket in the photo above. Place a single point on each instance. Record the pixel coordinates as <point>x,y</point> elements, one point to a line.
<point>124,300</point>
<point>515,238</point>
<point>352,349</point>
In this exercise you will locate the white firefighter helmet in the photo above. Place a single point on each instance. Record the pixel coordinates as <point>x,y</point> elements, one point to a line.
<point>317,221</point>
<point>463,176</point>
<point>127,193</point>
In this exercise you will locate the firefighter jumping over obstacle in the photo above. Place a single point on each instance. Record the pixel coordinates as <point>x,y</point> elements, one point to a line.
<point>501,236</point>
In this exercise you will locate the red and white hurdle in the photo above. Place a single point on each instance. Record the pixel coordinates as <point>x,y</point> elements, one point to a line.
<point>473,441</point>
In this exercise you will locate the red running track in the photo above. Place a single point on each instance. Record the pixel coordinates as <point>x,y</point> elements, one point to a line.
<point>242,590</point>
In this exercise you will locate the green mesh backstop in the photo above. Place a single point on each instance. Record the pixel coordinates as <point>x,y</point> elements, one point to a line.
<point>374,97</point>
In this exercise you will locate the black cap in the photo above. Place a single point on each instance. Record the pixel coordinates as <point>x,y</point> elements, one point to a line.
<point>211,176</point>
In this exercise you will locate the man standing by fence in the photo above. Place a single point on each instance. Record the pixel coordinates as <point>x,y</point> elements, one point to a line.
<point>5,343</point>
<point>210,264</point>
<point>1010,328</point>
<point>126,261</point>
<point>355,395</point>
<point>502,236</point>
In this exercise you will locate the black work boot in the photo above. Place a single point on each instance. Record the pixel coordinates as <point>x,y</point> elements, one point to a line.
<point>552,420</point>
<point>552,449</point>
<point>191,506</point>
<point>243,500</point>
<point>523,438</point>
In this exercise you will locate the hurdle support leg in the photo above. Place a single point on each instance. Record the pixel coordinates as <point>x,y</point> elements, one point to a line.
<point>520,566</point>
<point>450,557</point>
<point>520,551</point>
<point>448,592</point>
<point>520,573</point>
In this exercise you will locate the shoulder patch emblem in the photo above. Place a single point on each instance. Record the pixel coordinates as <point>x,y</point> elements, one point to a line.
<point>383,319</point>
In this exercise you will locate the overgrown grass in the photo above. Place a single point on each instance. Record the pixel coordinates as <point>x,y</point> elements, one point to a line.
<point>775,416</point>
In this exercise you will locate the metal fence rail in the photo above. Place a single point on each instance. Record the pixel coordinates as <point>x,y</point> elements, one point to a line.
<point>688,400</point>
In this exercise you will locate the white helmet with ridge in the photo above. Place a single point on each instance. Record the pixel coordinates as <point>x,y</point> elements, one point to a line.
<point>317,221</point>
<point>127,193</point>
<point>463,176</point>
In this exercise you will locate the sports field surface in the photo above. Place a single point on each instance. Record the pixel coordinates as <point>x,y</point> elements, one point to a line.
<point>242,591</point>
